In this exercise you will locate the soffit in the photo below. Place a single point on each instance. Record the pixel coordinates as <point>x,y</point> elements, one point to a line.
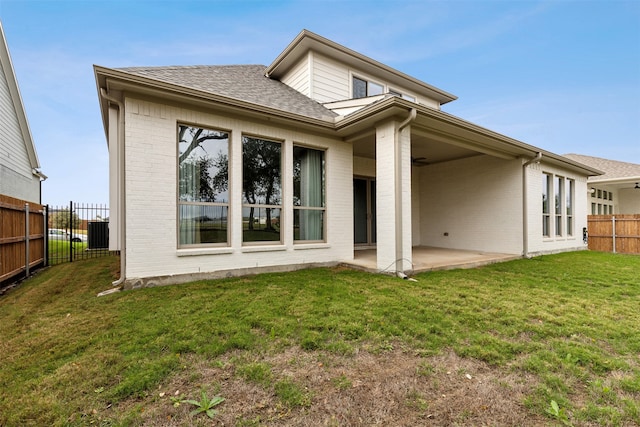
<point>437,127</point>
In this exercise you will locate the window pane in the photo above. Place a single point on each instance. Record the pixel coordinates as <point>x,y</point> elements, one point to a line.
<point>557,187</point>
<point>569,197</point>
<point>375,89</point>
<point>260,224</point>
<point>261,171</point>
<point>308,177</point>
<point>203,158</point>
<point>308,224</point>
<point>202,224</point>
<point>359,88</point>
<point>545,193</point>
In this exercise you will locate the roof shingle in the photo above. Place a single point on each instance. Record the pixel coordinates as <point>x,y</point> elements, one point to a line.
<point>612,168</point>
<point>240,82</point>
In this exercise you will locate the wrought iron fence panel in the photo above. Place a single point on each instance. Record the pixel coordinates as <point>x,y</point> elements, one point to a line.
<point>77,231</point>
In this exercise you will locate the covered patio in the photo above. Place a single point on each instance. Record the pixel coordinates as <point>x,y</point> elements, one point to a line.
<point>427,258</point>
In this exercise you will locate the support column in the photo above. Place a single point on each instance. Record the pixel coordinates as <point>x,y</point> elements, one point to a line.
<point>393,197</point>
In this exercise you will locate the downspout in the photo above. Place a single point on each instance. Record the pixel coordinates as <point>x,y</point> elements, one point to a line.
<point>398,177</point>
<point>120,154</point>
<point>525,205</point>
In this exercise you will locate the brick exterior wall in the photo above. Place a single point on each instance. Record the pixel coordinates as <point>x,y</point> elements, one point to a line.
<point>151,197</point>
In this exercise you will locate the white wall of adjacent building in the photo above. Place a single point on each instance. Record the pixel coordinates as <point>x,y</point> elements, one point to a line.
<point>16,177</point>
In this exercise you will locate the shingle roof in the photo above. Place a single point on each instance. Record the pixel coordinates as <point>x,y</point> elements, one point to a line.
<point>241,82</point>
<point>612,168</point>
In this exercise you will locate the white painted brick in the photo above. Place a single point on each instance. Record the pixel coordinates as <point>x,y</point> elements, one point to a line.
<point>151,173</point>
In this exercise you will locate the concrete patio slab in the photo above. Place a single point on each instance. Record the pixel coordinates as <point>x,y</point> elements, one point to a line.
<point>429,259</point>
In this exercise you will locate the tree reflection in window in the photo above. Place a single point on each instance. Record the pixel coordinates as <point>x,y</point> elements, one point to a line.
<point>262,189</point>
<point>203,186</point>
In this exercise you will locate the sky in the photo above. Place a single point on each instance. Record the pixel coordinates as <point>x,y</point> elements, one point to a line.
<point>560,75</point>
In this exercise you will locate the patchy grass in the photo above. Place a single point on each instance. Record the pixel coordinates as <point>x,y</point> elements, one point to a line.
<point>496,345</point>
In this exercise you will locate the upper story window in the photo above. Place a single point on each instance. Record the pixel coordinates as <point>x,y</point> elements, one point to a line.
<point>363,88</point>
<point>203,186</point>
<point>402,95</point>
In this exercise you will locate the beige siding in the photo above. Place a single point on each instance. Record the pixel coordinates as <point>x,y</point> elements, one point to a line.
<point>299,77</point>
<point>151,214</point>
<point>330,80</point>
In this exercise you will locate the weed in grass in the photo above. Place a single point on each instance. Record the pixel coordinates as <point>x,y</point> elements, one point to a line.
<point>558,413</point>
<point>416,400</point>
<point>631,384</point>
<point>291,394</point>
<point>258,373</point>
<point>253,422</point>
<point>342,382</point>
<point>205,405</point>
<point>425,369</point>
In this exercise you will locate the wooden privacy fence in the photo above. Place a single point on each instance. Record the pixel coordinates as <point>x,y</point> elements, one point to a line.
<point>22,237</point>
<point>614,233</point>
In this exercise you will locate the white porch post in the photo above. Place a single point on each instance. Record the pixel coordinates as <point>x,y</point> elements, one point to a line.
<point>393,197</point>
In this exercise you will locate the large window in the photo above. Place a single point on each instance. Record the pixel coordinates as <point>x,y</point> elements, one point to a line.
<point>261,189</point>
<point>570,190</point>
<point>203,186</point>
<point>558,191</point>
<point>546,206</point>
<point>308,194</point>
<point>562,208</point>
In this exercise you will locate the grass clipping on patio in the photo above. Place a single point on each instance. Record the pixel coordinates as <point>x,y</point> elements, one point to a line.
<point>554,340</point>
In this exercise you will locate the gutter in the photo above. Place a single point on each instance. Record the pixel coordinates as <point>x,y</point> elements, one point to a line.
<point>398,203</point>
<point>120,148</point>
<point>525,204</point>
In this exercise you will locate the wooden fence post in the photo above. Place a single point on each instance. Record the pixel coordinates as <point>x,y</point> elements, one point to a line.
<point>613,232</point>
<point>26,238</point>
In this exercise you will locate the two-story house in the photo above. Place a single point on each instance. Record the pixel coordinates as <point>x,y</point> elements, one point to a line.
<point>228,170</point>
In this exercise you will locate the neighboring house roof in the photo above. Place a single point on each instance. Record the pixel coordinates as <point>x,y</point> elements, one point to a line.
<point>242,82</point>
<point>613,170</point>
<point>6,67</point>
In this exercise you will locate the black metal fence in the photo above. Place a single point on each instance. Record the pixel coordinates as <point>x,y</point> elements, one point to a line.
<point>77,231</point>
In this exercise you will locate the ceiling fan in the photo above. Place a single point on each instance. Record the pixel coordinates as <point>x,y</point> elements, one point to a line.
<point>419,161</point>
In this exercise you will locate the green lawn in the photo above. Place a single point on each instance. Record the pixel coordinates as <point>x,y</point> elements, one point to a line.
<point>568,325</point>
<point>59,250</point>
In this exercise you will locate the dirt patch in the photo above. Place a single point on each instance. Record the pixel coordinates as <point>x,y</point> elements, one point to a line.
<point>393,388</point>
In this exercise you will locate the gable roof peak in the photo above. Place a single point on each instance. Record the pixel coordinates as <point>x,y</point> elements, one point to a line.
<point>307,41</point>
